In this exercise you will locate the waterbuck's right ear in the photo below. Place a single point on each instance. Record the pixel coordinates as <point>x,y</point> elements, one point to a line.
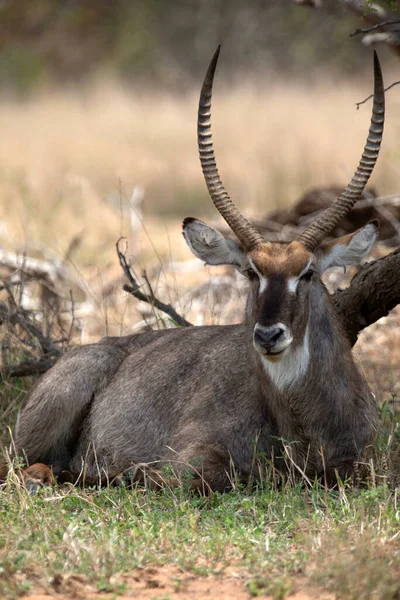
<point>349,249</point>
<point>209,245</point>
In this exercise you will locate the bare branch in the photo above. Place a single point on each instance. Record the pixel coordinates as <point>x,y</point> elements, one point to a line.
<point>382,24</point>
<point>22,318</point>
<point>358,104</point>
<point>150,298</point>
<point>29,367</point>
<point>71,327</point>
<point>312,3</point>
<point>149,286</point>
<point>24,335</point>
<point>373,292</point>
<point>376,26</point>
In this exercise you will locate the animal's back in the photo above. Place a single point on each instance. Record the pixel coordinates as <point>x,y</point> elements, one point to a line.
<point>195,385</point>
<point>52,413</point>
<point>127,400</point>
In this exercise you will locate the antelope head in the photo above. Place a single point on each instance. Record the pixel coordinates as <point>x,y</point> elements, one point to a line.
<point>282,276</point>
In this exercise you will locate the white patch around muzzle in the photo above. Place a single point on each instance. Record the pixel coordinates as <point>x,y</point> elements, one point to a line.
<point>285,339</point>
<point>291,366</point>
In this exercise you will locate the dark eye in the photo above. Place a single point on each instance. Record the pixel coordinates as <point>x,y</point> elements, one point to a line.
<point>251,274</point>
<point>307,276</point>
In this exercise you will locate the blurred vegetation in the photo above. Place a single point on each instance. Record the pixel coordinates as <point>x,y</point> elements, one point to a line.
<point>72,41</point>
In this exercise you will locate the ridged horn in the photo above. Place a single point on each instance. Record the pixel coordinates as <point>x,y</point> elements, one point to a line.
<point>315,233</point>
<point>245,232</point>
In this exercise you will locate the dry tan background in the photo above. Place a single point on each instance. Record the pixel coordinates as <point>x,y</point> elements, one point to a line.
<point>97,101</point>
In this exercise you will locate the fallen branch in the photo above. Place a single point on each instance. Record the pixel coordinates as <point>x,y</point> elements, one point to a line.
<point>33,267</point>
<point>379,204</point>
<point>135,289</point>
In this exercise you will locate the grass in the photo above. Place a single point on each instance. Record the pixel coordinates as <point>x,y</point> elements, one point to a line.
<point>275,540</point>
<point>117,542</point>
<point>345,542</point>
<point>68,165</point>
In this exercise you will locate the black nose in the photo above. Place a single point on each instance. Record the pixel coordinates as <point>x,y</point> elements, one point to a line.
<point>269,337</point>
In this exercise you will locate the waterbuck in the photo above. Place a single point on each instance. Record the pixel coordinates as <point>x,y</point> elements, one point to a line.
<point>207,398</point>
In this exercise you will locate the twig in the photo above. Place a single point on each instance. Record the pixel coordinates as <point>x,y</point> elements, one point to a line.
<point>150,298</point>
<point>71,328</point>
<point>149,286</point>
<point>29,336</point>
<point>18,317</point>
<point>29,367</point>
<point>358,104</point>
<point>373,27</point>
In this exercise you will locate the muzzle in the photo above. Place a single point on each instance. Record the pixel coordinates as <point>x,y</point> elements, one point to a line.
<point>272,339</point>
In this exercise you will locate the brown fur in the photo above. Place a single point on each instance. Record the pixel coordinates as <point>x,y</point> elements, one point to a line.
<point>200,399</point>
<point>31,477</point>
<point>289,259</point>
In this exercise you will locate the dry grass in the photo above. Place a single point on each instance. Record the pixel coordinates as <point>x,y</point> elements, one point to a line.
<point>69,162</point>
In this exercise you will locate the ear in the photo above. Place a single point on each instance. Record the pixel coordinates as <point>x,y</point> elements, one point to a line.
<point>209,245</point>
<point>349,249</point>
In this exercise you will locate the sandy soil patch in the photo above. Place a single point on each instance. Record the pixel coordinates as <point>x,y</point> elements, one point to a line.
<point>157,583</point>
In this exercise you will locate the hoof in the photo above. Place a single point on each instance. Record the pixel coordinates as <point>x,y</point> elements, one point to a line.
<point>37,476</point>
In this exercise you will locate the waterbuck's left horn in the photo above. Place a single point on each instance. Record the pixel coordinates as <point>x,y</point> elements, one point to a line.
<point>315,233</point>
<point>245,231</point>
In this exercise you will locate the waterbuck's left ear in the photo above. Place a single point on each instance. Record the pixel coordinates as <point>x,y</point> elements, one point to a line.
<point>347,250</point>
<point>209,245</point>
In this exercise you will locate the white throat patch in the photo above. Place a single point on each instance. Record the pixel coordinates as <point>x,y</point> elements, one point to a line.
<point>291,367</point>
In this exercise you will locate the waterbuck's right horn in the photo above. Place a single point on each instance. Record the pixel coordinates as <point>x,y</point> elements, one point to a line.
<point>245,231</point>
<point>315,233</point>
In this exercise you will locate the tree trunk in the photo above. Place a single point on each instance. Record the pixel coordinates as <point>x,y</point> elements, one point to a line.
<point>373,292</point>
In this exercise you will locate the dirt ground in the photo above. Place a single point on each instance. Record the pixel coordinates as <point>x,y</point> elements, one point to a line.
<point>158,583</point>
